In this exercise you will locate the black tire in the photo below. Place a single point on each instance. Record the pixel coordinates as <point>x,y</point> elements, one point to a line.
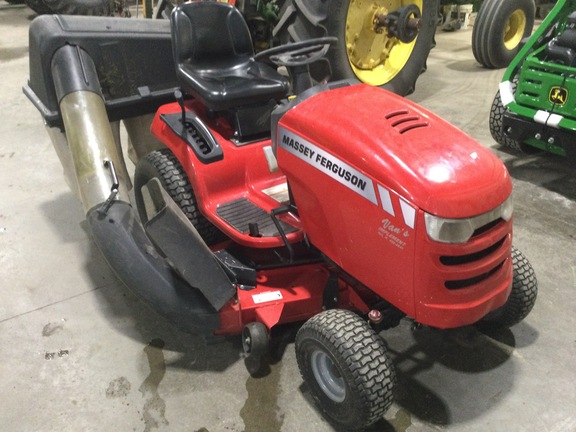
<point>496,121</point>
<point>72,7</point>
<point>255,339</point>
<point>300,20</point>
<point>522,297</point>
<point>163,165</point>
<point>496,129</point>
<point>498,30</point>
<point>38,6</point>
<point>346,367</point>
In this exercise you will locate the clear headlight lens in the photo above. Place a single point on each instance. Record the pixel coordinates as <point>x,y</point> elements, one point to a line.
<point>461,230</point>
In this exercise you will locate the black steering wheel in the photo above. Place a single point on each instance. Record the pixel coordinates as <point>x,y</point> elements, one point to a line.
<point>297,53</point>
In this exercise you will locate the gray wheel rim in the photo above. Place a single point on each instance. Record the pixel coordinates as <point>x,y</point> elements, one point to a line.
<point>327,376</point>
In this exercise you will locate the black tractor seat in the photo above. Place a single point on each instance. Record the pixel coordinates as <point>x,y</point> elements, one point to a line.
<point>562,49</point>
<point>214,58</point>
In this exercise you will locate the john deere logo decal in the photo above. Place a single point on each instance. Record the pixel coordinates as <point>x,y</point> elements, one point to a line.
<point>558,95</point>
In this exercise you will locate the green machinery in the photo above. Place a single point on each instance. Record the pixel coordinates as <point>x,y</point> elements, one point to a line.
<point>535,106</point>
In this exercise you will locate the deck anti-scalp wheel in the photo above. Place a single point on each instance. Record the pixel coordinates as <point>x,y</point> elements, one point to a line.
<point>522,297</point>
<point>346,366</point>
<point>255,339</point>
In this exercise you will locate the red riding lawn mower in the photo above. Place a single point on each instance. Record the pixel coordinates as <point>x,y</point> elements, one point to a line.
<point>269,200</point>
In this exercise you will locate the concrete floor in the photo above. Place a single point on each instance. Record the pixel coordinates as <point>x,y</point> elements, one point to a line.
<point>81,353</point>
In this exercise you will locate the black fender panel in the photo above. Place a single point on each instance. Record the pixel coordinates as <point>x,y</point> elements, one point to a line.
<point>123,242</point>
<point>184,247</point>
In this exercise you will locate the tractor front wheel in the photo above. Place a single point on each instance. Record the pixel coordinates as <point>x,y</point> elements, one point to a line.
<point>346,367</point>
<point>522,297</point>
<point>499,28</point>
<point>496,121</point>
<point>496,125</point>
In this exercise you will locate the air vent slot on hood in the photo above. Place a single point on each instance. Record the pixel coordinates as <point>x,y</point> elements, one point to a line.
<point>403,120</point>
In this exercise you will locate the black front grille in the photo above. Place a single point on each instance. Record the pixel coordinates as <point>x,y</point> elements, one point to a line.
<point>465,283</point>
<point>465,259</point>
<point>486,227</point>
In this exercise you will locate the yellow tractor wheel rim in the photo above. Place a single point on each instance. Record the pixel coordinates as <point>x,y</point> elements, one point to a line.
<point>375,57</point>
<point>514,30</point>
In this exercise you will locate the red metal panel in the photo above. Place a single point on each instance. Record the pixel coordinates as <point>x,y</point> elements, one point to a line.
<point>283,295</point>
<point>243,173</point>
<point>411,151</point>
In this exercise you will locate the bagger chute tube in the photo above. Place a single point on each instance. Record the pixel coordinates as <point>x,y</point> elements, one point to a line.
<point>261,199</point>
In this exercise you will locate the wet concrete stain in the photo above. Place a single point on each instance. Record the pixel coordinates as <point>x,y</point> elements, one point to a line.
<point>120,387</point>
<point>53,355</point>
<point>52,328</point>
<point>402,420</point>
<point>154,410</point>
<point>8,54</point>
<point>260,411</point>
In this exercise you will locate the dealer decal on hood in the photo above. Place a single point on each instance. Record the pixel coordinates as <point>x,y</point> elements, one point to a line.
<point>328,164</point>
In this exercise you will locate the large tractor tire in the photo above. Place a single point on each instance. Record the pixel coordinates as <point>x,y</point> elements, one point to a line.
<point>72,7</point>
<point>499,29</point>
<point>362,53</point>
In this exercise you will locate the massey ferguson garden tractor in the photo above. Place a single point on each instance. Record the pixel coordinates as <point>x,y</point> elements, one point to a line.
<point>262,199</point>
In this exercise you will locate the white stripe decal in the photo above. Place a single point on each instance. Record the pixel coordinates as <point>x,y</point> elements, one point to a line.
<point>386,200</point>
<point>328,164</point>
<point>506,92</point>
<point>544,117</point>
<point>267,296</point>
<point>408,212</point>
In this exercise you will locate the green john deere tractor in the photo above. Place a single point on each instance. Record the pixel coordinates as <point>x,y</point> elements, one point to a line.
<point>535,106</point>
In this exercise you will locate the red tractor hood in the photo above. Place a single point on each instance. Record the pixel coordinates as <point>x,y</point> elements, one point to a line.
<point>404,147</point>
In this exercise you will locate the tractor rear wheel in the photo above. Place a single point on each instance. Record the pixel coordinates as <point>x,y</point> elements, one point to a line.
<point>522,297</point>
<point>346,366</point>
<point>499,28</point>
<point>74,7</point>
<point>163,165</point>
<point>362,53</point>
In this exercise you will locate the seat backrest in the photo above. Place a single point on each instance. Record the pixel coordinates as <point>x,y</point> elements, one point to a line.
<point>210,34</point>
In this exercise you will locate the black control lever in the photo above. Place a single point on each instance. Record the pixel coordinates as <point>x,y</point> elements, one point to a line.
<point>180,99</point>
